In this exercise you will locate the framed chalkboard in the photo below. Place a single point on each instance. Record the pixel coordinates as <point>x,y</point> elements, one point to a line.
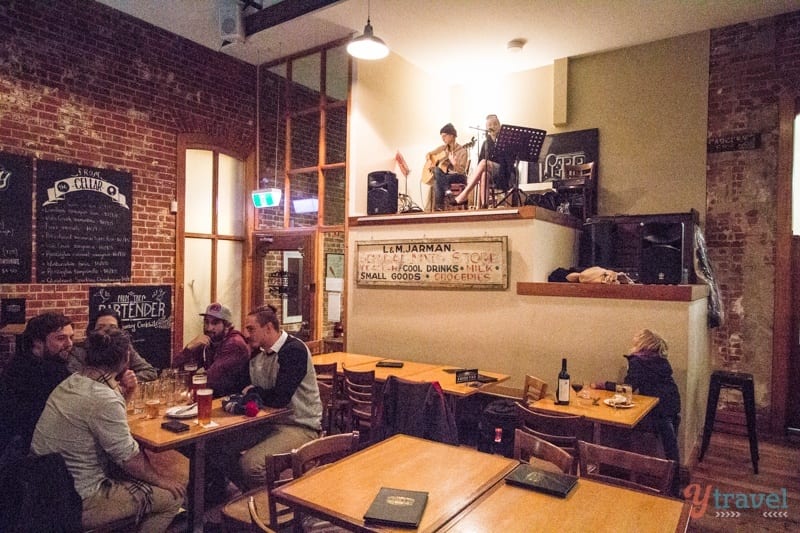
<point>83,224</point>
<point>146,313</point>
<point>559,149</point>
<point>16,216</point>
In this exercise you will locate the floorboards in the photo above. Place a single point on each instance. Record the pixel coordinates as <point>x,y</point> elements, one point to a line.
<point>728,470</point>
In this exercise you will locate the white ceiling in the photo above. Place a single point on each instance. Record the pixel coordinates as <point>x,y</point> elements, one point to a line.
<point>459,39</point>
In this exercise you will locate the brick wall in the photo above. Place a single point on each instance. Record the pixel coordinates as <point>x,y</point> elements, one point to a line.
<point>85,84</point>
<point>750,65</point>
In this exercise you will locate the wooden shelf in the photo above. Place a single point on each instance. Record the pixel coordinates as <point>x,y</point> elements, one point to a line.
<point>674,293</point>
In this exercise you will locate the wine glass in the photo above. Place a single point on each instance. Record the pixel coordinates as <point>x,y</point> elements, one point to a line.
<point>577,386</point>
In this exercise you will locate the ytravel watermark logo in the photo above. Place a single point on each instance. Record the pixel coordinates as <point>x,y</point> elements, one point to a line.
<point>710,499</point>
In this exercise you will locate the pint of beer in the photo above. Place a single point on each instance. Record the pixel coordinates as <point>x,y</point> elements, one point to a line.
<point>151,408</point>
<point>199,381</point>
<point>204,406</point>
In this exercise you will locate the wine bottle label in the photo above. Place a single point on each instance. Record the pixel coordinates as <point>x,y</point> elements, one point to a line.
<point>563,391</point>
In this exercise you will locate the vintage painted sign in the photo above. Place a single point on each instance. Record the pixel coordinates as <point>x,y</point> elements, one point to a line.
<point>466,263</point>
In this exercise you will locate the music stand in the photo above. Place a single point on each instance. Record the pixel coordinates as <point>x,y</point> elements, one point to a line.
<point>521,144</point>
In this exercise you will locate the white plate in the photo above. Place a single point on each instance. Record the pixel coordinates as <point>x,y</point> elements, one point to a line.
<point>609,403</point>
<point>180,411</point>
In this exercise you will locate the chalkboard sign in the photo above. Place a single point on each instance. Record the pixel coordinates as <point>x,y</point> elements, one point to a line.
<point>16,218</point>
<point>83,224</point>
<point>146,313</point>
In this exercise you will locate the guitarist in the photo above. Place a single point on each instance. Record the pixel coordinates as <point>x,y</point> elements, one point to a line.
<point>448,163</point>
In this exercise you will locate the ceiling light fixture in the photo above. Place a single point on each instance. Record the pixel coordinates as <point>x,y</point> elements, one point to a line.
<point>367,46</point>
<point>271,196</point>
<point>516,45</point>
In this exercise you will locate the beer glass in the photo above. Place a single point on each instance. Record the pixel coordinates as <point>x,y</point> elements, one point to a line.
<point>204,406</point>
<point>152,398</point>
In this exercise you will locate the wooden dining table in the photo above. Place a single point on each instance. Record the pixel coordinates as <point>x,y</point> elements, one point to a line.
<point>342,492</point>
<point>598,412</point>
<point>590,506</point>
<point>151,436</point>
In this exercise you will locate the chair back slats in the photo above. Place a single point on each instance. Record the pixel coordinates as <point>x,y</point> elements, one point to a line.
<point>358,390</point>
<point>328,385</point>
<point>632,470</point>
<point>269,515</point>
<point>527,446</point>
<point>534,389</point>
<point>323,451</point>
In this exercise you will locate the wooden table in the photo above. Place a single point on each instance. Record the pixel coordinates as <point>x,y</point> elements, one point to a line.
<point>601,414</point>
<point>151,436</point>
<point>344,359</point>
<point>591,506</point>
<point>342,492</point>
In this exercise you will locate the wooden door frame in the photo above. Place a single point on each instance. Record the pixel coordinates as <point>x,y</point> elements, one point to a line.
<point>788,106</point>
<point>303,239</point>
<point>202,141</point>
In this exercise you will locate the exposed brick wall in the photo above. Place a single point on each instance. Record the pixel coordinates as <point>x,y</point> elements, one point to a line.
<point>86,84</point>
<point>750,64</point>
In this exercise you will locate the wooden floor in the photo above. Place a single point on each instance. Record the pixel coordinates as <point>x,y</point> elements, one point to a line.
<point>727,469</point>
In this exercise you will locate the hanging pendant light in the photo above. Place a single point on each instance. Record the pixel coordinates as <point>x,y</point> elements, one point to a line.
<point>267,196</point>
<point>367,46</point>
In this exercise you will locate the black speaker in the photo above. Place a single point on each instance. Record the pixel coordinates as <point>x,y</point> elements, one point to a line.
<point>381,193</point>
<point>597,244</point>
<point>662,260</point>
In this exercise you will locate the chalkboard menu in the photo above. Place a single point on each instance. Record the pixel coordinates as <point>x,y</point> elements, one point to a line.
<point>146,314</point>
<point>16,187</point>
<point>83,224</point>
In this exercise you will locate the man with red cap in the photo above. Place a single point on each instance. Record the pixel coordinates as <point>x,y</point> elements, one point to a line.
<point>221,350</point>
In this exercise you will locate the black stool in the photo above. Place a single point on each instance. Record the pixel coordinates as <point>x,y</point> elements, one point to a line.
<point>732,380</point>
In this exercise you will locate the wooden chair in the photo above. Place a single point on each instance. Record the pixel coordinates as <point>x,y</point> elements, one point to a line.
<point>628,469</point>
<point>316,346</point>
<point>237,513</point>
<point>329,393</point>
<point>578,185</point>
<point>534,389</point>
<point>563,431</point>
<point>527,446</point>
<point>255,519</point>
<point>358,391</point>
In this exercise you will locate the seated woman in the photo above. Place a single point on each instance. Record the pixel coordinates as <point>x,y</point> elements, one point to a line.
<point>488,173</point>
<point>650,373</point>
<point>85,421</point>
<point>108,318</point>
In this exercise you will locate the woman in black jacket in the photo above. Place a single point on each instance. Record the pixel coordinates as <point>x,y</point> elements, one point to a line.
<point>650,373</point>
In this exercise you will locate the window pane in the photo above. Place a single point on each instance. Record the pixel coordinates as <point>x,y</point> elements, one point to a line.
<point>197,280</point>
<point>336,74</point>
<point>198,195</point>
<point>333,252</point>
<point>230,195</point>
<point>336,134</point>
<point>304,200</point>
<point>306,77</point>
<point>334,196</point>
<point>305,140</point>
<point>229,277</point>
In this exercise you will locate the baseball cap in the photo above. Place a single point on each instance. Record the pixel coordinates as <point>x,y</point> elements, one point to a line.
<point>217,310</point>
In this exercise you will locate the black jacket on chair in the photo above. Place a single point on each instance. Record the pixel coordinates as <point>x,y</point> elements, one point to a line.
<point>416,409</point>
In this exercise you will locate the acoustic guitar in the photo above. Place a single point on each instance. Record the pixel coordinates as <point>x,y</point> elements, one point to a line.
<point>440,159</point>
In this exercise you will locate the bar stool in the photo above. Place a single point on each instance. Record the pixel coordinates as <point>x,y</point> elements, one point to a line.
<point>742,381</point>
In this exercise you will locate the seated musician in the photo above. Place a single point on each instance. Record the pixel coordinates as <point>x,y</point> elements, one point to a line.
<point>488,174</point>
<point>448,163</point>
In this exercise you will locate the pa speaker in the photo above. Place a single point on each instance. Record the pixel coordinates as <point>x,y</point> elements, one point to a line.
<point>662,260</point>
<point>231,25</point>
<point>381,193</point>
<point>597,244</point>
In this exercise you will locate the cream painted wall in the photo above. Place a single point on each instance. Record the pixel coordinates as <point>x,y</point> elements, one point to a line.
<point>649,103</point>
